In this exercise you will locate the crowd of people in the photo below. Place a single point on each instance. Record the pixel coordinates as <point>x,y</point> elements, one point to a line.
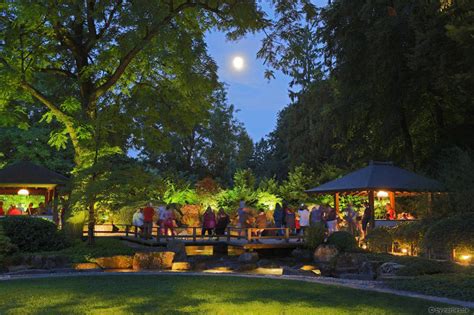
<point>15,210</point>
<point>214,224</point>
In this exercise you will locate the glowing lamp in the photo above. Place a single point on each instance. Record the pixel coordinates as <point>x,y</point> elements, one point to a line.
<point>382,194</point>
<point>404,250</point>
<point>466,257</point>
<point>364,246</point>
<point>23,192</point>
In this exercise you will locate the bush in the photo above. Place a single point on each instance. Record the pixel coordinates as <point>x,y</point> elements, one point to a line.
<point>456,232</point>
<point>379,240</point>
<point>410,234</point>
<point>426,267</point>
<point>314,236</point>
<point>344,241</point>
<point>33,234</point>
<point>6,246</point>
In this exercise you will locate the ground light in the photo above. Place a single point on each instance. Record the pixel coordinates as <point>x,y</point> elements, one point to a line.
<point>466,258</point>
<point>405,251</point>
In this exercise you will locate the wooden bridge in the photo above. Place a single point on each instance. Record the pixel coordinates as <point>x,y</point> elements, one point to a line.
<point>244,238</point>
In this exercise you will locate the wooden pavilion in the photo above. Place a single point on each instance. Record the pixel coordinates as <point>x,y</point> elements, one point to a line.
<point>379,177</point>
<point>31,179</point>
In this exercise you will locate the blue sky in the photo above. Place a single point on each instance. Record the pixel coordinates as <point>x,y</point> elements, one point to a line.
<point>257,99</point>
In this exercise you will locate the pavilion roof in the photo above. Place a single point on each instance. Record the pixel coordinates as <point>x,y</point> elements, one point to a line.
<point>28,173</point>
<point>380,176</point>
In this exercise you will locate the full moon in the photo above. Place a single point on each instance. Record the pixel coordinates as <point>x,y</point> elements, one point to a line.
<point>238,63</point>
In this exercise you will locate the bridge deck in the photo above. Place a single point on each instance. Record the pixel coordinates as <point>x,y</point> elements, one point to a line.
<point>267,243</point>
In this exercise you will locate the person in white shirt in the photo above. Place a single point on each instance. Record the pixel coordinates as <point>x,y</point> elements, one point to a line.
<point>303,214</point>
<point>137,220</point>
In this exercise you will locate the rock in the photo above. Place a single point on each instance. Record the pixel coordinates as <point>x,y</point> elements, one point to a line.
<point>308,267</point>
<point>115,262</point>
<point>181,266</point>
<point>288,271</point>
<point>301,254</point>
<point>389,269</point>
<point>47,261</point>
<point>368,269</point>
<point>153,260</point>
<point>266,263</point>
<point>86,266</point>
<point>247,267</point>
<point>251,257</point>
<point>201,265</point>
<point>178,248</point>
<point>325,253</point>
<point>349,262</point>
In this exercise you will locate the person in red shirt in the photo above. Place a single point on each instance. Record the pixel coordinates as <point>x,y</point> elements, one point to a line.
<point>1,209</point>
<point>390,212</point>
<point>148,213</point>
<point>14,211</point>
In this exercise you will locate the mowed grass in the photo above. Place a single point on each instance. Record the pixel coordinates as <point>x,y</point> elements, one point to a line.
<point>169,294</point>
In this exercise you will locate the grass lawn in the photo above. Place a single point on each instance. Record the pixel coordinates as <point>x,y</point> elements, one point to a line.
<point>125,294</point>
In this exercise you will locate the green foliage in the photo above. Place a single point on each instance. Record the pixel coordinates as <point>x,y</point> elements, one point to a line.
<point>292,189</point>
<point>454,286</point>
<point>80,251</point>
<point>33,234</point>
<point>456,232</point>
<point>379,240</point>
<point>6,246</point>
<point>314,236</point>
<point>426,267</point>
<point>409,233</point>
<point>344,241</point>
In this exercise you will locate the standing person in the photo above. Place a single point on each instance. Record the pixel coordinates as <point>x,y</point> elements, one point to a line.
<point>303,214</point>
<point>148,213</point>
<point>137,221</point>
<point>261,223</point>
<point>331,219</point>
<point>169,221</point>
<point>2,212</point>
<point>222,222</point>
<point>316,215</point>
<point>366,218</point>
<point>290,220</point>
<point>390,212</point>
<point>242,216</point>
<point>30,210</point>
<point>350,216</point>
<point>278,214</point>
<point>208,222</point>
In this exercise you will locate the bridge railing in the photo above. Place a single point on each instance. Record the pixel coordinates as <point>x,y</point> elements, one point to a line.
<point>195,233</point>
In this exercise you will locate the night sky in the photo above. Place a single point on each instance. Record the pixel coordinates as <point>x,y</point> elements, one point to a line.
<point>257,99</point>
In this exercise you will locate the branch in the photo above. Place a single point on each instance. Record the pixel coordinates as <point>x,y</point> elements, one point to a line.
<point>127,59</point>
<point>63,72</point>
<point>48,103</point>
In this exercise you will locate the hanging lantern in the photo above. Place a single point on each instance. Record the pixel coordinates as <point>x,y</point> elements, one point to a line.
<point>23,192</point>
<point>382,194</point>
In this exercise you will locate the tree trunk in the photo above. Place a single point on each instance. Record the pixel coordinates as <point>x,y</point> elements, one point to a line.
<point>91,225</point>
<point>407,139</point>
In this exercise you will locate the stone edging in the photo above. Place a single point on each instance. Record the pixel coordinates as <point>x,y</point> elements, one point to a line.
<point>353,284</point>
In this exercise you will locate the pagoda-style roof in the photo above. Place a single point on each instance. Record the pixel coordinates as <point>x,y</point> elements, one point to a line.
<point>29,174</point>
<point>380,176</point>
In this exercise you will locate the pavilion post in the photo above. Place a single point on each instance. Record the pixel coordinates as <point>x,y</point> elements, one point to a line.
<point>430,203</point>
<point>55,206</point>
<point>336,202</point>
<point>391,195</point>
<point>372,207</point>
